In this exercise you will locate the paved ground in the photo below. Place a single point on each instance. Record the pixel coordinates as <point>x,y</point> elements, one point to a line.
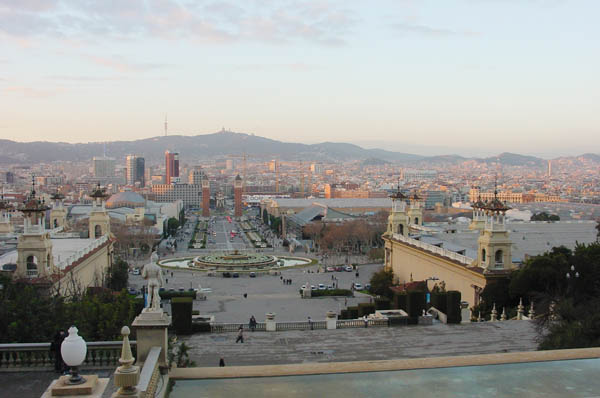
<point>268,348</point>
<point>266,293</point>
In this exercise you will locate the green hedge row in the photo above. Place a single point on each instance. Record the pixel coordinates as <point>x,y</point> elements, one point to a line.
<point>200,327</point>
<point>416,303</point>
<point>438,300</point>
<point>400,301</point>
<point>334,292</point>
<point>382,303</point>
<point>453,306</point>
<point>181,309</point>
<point>365,309</point>
<point>166,295</point>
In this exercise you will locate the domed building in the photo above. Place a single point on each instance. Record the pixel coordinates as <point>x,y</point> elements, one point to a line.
<point>126,199</point>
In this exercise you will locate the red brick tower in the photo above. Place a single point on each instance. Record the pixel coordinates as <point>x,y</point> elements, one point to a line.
<point>205,198</point>
<point>237,195</point>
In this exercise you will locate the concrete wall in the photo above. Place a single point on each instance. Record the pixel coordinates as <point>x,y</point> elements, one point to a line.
<point>89,272</point>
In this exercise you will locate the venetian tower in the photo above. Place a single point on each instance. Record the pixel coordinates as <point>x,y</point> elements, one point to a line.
<point>398,219</point>
<point>205,197</point>
<point>238,186</point>
<point>99,224</point>
<point>58,214</point>
<point>415,210</point>
<point>34,247</point>
<point>494,244</point>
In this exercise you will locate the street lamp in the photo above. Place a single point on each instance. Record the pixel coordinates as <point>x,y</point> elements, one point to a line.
<point>73,350</point>
<point>576,275</point>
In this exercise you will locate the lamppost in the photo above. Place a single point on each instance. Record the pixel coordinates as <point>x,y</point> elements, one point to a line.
<point>73,350</point>
<point>572,277</point>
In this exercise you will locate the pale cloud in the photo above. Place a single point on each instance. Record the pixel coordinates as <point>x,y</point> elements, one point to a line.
<point>33,92</point>
<point>120,64</point>
<point>424,30</point>
<point>321,22</point>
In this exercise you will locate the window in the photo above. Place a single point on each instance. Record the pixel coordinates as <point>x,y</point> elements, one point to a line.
<point>483,259</point>
<point>498,257</point>
<point>417,220</point>
<point>401,229</point>
<point>32,270</point>
<point>97,231</point>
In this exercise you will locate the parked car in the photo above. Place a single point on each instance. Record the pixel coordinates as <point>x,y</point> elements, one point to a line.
<point>348,268</point>
<point>132,290</point>
<point>367,286</point>
<point>303,287</point>
<point>321,286</point>
<point>329,287</point>
<point>358,286</point>
<point>313,287</point>
<point>339,268</point>
<point>136,271</point>
<point>330,269</point>
<point>252,274</point>
<point>235,275</point>
<point>226,275</point>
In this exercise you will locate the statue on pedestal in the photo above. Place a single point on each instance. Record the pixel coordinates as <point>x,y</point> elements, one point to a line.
<point>152,273</point>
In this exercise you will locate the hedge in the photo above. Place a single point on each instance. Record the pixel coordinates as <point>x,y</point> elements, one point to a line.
<point>382,303</point>
<point>334,292</point>
<point>181,308</point>
<point>453,306</point>
<point>166,294</point>
<point>365,309</point>
<point>438,300</point>
<point>352,312</point>
<point>200,327</point>
<point>344,314</point>
<point>400,301</point>
<point>416,303</point>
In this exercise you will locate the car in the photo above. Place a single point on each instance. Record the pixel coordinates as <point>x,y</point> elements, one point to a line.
<point>303,287</point>
<point>348,268</point>
<point>329,287</point>
<point>313,287</point>
<point>329,269</point>
<point>367,286</point>
<point>171,290</point>
<point>136,271</point>
<point>321,286</point>
<point>235,275</point>
<point>252,275</point>
<point>181,289</point>
<point>132,290</point>
<point>226,275</point>
<point>358,286</point>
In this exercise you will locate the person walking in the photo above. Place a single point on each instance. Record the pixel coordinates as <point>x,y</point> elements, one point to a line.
<point>252,323</point>
<point>310,324</point>
<point>59,365</point>
<point>240,336</point>
<point>221,362</point>
<point>366,321</point>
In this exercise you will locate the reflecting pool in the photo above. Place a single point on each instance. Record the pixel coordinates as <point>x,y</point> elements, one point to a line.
<point>564,379</point>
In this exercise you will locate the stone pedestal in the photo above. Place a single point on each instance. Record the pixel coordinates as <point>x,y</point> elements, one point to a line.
<point>93,387</point>
<point>425,320</point>
<point>331,320</point>
<point>270,324</point>
<point>307,293</point>
<point>151,329</point>
<point>465,314</point>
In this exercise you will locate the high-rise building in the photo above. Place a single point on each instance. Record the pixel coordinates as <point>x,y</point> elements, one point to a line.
<point>135,170</point>
<point>171,167</point>
<point>205,198</point>
<point>316,168</point>
<point>229,164</point>
<point>195,175</point>
<point>103,167</point>
<point>274,165</point>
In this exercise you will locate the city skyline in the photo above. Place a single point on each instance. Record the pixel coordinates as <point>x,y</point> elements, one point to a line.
<point>402,75</point>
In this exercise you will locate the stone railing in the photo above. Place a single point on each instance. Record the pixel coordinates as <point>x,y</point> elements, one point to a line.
<point>233,327</point>
<point>150,379</point>
<point>435,249</point>
<point>304,325</point>
<point>94,244</point>
<point>360,323</point>
<point>38,356</point>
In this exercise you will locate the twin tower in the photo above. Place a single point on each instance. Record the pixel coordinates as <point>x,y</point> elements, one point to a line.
<point>238,187</point>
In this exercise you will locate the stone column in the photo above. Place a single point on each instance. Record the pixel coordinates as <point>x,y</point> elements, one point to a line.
<point>270,324</point>
<point>127,375</point>
<point>494,316</point>
<point>151,328</point>
<point>520,310</point>
<point>331,320</point>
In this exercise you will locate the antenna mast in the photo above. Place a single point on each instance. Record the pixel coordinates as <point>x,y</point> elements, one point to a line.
<point>166,125</point>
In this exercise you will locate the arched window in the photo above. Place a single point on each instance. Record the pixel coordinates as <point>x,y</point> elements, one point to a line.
<point>416,220</point>
<point>32,270</point>
<point>483,259</point>
<point>55,223</point>
<point>498,257</point>
<point>401,229</point>
<point>97,231</point>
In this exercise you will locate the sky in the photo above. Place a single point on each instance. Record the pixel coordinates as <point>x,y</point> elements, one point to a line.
<point>422,76</point>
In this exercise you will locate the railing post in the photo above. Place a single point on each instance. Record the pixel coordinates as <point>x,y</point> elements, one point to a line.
<point>270,324</point>
<point>331,320</point>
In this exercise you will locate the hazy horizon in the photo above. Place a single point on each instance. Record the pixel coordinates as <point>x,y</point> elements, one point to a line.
<point>467,77</point>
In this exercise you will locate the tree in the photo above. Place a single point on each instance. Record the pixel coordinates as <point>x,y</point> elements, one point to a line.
<point>543,216</point>
<point>118,276</point>
<point>381,281</point>
<point>172,226</point>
